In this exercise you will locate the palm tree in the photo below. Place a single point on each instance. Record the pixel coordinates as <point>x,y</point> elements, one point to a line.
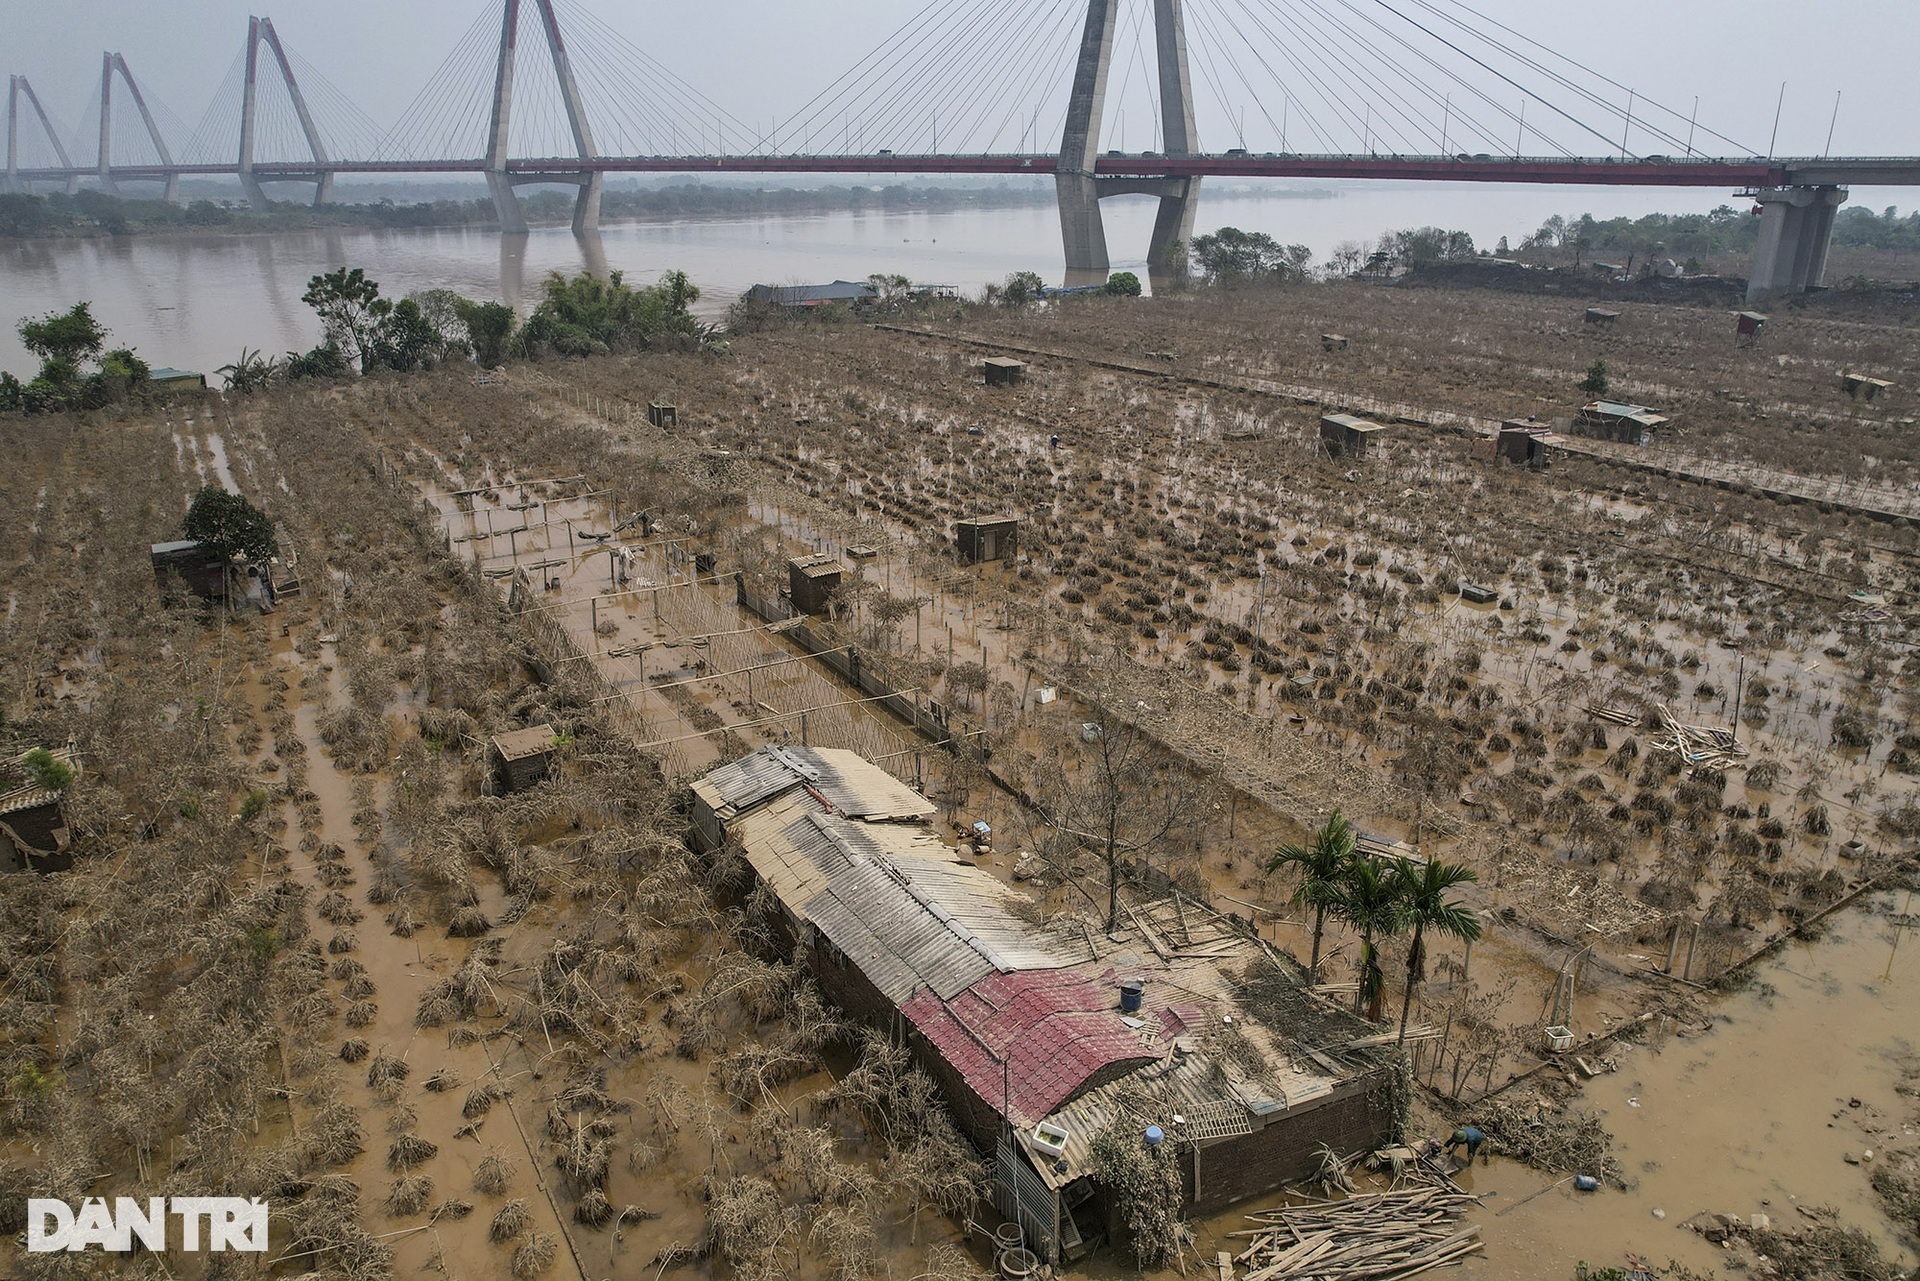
<point>1323,864</point>
<point>1423,899</point>
<point>1370,900</point>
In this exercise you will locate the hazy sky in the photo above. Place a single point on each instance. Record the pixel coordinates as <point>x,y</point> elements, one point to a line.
<point>763,58</point>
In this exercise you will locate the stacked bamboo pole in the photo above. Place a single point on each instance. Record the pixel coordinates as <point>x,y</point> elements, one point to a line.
<point>1382,1237</point>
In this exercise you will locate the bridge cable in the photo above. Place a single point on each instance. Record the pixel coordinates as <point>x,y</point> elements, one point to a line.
<point>1549,104</point>
<point>1226,51</point>
<point>1590,71</point>
<point>1390,102</point>
<point>1555,77</point>
<point>1422,81</point>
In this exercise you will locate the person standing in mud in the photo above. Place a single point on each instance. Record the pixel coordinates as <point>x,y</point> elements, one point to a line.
<point>1470,1137</point>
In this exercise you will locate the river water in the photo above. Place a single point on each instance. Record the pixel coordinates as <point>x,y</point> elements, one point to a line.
<point>193,301</point>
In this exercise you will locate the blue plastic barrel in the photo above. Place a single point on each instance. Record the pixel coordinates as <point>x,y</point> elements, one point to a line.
<point>1154,1135</point>
<point>1585,1182</point>
<point>1132,992</point>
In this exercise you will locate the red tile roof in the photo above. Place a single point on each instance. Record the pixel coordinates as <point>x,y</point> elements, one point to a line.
<point>1055,1030</point>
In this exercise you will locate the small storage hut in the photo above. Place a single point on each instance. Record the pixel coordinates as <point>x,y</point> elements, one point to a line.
<point>661,413</point>
<point>522,757</point>
<point>1861,387</point>
<point>1524,443</point>
<point>1617,420</point>
<point>172,380</point>
<point>1601,316</point>
<point>33,825</point>
<point>204,573</point>
<point>1003,371</point>
<point>985,538</point>
<point>812,580</point>
<point>1344,434</point>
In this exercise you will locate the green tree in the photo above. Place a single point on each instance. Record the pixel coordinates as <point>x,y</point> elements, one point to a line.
<point>1023,288</point>
<point>1423,897</point>
<point>584,315</point>
<point>47,771</point>
<point>1231,256</point>
<point>407,340</point>
<point>69,337</point>
<point>250,373</point>
<point>228,525</point>
<point>1324,863</point>
<point>352,313</point>
<point>489,327</point>
<point>324,361</point>
<point>122,363</point>
<point>1123,284</point>
<point>1370,900</point>
<point>1596,383</point>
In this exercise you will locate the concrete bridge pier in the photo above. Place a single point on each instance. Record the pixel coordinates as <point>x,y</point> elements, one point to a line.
<point>1796,229</point>
<point>1080,191</point>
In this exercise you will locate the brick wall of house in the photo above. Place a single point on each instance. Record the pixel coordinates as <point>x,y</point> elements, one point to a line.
<point>1357,1115</point>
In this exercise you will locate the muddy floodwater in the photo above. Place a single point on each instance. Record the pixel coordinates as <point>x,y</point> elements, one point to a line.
<point>1752,1118</point>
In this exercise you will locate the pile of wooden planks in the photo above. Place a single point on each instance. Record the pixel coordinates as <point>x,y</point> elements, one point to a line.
<point>1700,746</point>
<point>1381,1237</point>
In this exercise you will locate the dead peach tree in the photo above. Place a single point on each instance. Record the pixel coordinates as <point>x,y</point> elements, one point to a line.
<point>1116,792</point>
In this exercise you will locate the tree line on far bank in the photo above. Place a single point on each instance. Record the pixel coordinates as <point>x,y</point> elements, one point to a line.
<point>362,331</point>
<point>91,213</point>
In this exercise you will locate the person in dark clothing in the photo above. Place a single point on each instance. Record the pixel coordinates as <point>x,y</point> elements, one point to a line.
<point>1468,1136</point>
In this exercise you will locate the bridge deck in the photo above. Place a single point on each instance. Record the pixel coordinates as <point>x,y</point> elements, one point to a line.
<point>1630,172</point>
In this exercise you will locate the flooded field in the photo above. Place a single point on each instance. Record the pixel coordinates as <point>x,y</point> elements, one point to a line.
<point>458,1025</point>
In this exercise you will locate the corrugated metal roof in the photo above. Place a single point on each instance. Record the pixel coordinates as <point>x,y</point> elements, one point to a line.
<point>521,743</point>
<point>894,899</point>
<point>1053,1030</point>
<point>819,565</point>
<point>32,795</point>
<point>847,781</point>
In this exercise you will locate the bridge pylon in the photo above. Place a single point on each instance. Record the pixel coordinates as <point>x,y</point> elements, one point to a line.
<point>500,180</point>
<point>109,63</point>
<point>17,87</point>
<point>261,30</point>
<point>1080,189</point>
<point>1796,230</point>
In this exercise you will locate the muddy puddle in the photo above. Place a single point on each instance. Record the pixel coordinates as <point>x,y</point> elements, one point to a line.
<point>1753,1117</point>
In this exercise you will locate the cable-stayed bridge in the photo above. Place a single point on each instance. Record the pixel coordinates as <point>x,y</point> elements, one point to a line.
<point>544,92</point>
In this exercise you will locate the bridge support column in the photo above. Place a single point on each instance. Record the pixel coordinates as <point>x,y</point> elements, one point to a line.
<point>500,181</point>
<point>1796,229</point>
<point>586,205</point>
<point>1083,233</point>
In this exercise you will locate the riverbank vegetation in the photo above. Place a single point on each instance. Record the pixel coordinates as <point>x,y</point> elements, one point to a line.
<point>95,213</point>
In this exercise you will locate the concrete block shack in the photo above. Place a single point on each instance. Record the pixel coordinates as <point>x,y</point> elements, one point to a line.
<point>204,574</point>
<point>522,757</point>
<point>1344,434</point>
<point>811,582</point>
<point>1001,371</point>
<point>985,538</point>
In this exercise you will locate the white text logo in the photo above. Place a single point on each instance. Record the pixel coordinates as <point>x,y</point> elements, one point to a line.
<point>230,1223</point>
